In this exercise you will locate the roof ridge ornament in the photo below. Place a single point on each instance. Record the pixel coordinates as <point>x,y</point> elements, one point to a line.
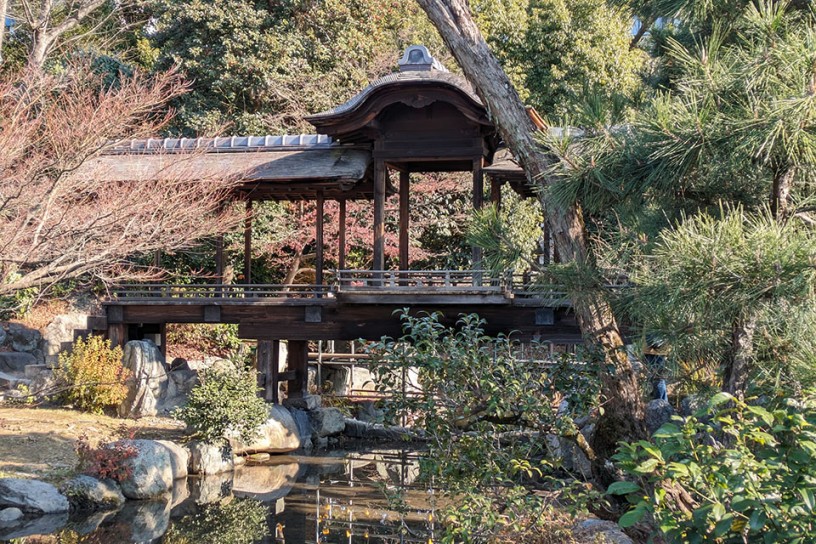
<point>417,59</point>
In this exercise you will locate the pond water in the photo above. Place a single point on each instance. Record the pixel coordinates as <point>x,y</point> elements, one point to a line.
<point>363,496</point>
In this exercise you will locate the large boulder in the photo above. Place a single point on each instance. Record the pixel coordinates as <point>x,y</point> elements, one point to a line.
<point>31,496</point>
<point>43,381</point>
<point>87,493</point>
<point>597,530</point>
<point>151,470</point>
<point>15,363</point>
<point>179,385</point>
<point>354,428</point>
<point>348,380</point>
<point>11,381</point>
<point>326,422</point>
<point>24,338</point>
<point>278,435</point>
<point>265,483</point>
<point>208,458</point>
<point>179,458</point>
<point>59,335</point>
<point>658,413</point>
<point>149,380</point>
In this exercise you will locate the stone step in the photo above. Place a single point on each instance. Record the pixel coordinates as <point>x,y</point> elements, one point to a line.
<point>11,381</point>
<point>13,361</point>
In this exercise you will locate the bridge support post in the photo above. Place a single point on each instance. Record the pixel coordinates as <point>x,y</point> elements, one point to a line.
<point>268,355</point>
<point>299,364</point>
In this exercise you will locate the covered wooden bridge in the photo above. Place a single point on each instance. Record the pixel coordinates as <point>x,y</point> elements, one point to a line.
<point>420,119</point>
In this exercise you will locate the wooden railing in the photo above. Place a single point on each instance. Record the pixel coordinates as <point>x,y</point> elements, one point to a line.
<point>350,280</point>
<point>520,286</point>
<point>161,291</point>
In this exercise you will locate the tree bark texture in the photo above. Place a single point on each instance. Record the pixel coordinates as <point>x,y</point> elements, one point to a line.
<point>780,199</point>
<point>623,403</point>
<point>3,13</point>
<point>741,354</point>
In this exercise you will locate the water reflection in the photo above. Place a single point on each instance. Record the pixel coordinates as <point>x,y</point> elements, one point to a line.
<point>344,497</point>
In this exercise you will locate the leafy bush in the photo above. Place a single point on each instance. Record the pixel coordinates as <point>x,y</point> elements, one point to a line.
<point>225,404</point>
<point>106,460</point>
<point>93,375</point>
<point>733,473</point>
<point>486,415</point>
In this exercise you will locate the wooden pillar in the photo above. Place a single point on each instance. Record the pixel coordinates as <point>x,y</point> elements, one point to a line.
<point>267,356</point>
<point>319,239</point>
<point>404,219</point>
<point>219,258</point>
<point>248,243</point>
<point>495,193</point>
<point>341,242</point>
<point>380,174</point>
<point>219,263</point>
<point>157,258</point>
<point>299,364</point>
<point>478,200</point>
<point>117,334</point>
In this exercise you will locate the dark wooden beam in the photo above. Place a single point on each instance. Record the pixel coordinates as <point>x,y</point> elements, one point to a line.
<point>478,200</point>
<point>248,243</point>
<point>319,214</point>
<point>263,358</point>
<point>404,219</point>
<point>298,363</point>
<point>380,175</point>
<point>341,242</point>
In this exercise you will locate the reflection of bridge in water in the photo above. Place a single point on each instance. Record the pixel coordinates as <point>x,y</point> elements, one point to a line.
<point>341,499</point>
<point>421,119</point>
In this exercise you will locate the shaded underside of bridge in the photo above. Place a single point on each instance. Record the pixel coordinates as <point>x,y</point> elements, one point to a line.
<point>347,317</point>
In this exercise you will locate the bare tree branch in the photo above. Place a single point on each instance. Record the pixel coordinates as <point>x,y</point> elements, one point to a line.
<point>57,219</point>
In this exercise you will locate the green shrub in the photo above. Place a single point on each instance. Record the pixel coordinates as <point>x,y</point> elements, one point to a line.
<point>92,375</point>
<point>733,473</point>
<point>224,404</point>
<point>486,415</point>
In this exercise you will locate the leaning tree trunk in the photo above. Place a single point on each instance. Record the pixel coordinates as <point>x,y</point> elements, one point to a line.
<point>740,355</point>
<point>623,408</point>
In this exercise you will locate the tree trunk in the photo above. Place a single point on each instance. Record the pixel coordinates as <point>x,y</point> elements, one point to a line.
<point>740,356</point>
<point>623,404</point>
<point>3,13</point>
<point>780,199</point>
<point>39,48</point>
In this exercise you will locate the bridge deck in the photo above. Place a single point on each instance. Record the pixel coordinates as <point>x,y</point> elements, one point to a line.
<point>357,304</point>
